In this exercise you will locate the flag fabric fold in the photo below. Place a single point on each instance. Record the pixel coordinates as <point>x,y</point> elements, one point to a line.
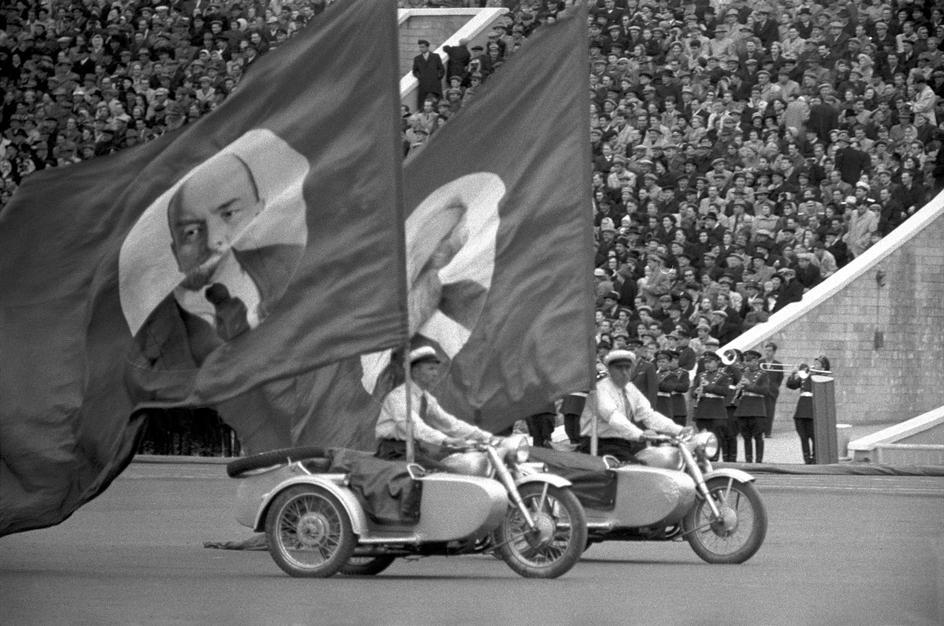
<point>262,241</point>
<point>499,254</point>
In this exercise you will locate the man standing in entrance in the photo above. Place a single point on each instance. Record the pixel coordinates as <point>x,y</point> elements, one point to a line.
<point>429,71</point>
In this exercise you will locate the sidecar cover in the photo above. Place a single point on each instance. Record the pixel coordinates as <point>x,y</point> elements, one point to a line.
<point>593,484</point>
<point>384,488</point>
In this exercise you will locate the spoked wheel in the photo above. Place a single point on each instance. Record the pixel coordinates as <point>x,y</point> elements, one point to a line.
<point>309,532</point>
<point>740,531</point>
<point>366,565</point>
<point>558,539</point>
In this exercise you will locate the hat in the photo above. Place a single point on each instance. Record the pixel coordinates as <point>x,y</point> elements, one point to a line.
<point>668,355</point>
<point>599,273</point>
<point>785,271</point>
<point>752,284</point>
<point>616,357</point>
<point>645,307</point>
<point>422,354</point>
<point>712,341</point>
<point>750,355</point>
<point>612,294</point>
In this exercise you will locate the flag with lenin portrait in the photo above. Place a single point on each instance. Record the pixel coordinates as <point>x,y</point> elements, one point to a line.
<point>499,258</point>
<point>190,270</point>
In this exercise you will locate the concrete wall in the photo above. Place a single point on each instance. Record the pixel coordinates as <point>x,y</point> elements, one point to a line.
<point>885,341</point>
<point>931,436</point>
<point>440,27</point>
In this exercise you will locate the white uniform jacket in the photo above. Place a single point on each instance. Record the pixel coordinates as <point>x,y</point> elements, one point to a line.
<point>433,430</point>
<point>621,419</point>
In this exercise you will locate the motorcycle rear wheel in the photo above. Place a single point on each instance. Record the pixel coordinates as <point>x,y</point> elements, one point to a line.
<point>366,565</point>
<point>741,537</point>
<point>559,541</point>
<point>309,532</point>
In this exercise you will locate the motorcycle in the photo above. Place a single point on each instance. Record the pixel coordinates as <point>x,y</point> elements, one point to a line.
<point>674,494</point>
<point>320,509</point>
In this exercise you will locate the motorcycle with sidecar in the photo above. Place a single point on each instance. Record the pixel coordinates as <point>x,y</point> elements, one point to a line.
<point>339,510</point>
<point>673,494</point>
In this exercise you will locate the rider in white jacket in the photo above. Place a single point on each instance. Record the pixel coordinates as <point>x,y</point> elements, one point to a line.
<point>623,414</point>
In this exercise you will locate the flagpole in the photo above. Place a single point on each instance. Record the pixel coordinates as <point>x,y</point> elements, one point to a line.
<point>408,385</point>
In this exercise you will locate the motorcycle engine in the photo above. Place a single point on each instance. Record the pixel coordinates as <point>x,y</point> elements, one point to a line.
<point>468,463</point>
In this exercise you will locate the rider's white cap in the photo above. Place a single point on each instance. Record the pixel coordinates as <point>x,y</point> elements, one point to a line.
<point>619,356</point>
<point>424,353</point>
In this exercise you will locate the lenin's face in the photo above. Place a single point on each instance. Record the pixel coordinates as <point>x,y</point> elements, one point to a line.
<point>210,212</point>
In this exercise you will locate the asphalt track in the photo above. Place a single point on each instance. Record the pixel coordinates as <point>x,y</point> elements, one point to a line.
<point>840,550</point>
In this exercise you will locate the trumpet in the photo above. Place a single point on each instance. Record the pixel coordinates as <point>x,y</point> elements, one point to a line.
<point>803,371</point>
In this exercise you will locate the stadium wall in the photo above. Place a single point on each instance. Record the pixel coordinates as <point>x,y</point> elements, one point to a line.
<point>879,320</point>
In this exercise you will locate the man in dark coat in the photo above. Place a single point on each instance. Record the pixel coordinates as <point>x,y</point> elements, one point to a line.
<point>459,57</point>
<point>851,162</point>
<point>790,290</point>
<point>429,70</point>
<point>775,378</point>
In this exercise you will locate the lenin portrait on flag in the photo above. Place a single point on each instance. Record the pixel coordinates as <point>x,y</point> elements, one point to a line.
<point>211,257</point>
<point>450,247</point>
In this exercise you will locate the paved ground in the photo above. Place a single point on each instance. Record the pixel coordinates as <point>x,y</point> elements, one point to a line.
<point>839,550</point>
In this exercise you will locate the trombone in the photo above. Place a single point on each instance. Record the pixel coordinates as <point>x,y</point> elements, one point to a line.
<point>732,355</point>
<point>803,370</point>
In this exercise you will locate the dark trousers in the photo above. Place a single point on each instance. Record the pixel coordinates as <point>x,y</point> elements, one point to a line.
<point>572,407</point>
<point>752,430</point>
<point>541,426</point>
<point>572,427</point>
<point>395,450</point>
<point>804,428</point>
<point>681,420</point>
<point>622,449</point>
<point>728,441</point>
<point>771,405</point>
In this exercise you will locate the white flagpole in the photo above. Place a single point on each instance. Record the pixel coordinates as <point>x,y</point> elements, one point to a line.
<point>408,385</point>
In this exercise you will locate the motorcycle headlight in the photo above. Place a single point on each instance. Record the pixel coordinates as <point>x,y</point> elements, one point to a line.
<point>516,447</point>
<point>523,450</point>
<point>708,441</point>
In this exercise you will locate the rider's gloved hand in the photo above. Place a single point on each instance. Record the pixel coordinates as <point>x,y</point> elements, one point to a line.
<point>453,442</point>
<point>687,431</point>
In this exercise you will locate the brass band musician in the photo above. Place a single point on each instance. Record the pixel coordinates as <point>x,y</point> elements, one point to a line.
<point>673,383</point>
<point>803,417</point>
<point>751,409</point>
<point>711,385</point>
<point>729,440</point>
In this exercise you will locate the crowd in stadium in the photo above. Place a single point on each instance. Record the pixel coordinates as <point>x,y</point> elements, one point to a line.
<point>742,151</point>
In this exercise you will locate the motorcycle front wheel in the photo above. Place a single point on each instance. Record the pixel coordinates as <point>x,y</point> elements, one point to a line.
<point>740,531</point>
<point>309,532</point>
<point>558,539</point>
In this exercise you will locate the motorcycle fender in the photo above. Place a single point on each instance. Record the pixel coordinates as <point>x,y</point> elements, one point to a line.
<point>729,472</point>
<point>552,479</point>
<point>347,498</point>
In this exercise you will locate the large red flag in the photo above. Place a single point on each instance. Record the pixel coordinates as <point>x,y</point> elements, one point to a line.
<point>262,241</point>
<point>499,254</point>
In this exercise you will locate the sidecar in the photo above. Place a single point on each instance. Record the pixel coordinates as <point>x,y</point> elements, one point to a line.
<point>622,502</point>
<point>318,507</point>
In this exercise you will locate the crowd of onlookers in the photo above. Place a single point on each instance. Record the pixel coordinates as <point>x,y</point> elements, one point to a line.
<point>742,151</point>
